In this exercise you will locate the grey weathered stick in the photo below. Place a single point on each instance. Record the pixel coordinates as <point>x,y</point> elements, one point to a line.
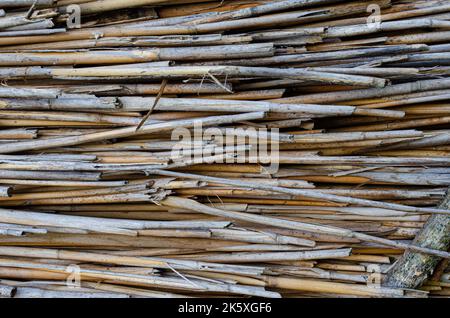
<point>7,291</point>
<point>195,206</point>
<point>125,132</point>
<point>413,268</point>
<point>300,192</point>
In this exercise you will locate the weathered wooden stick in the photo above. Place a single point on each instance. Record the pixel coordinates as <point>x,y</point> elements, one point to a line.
<point>181,202</point>
<point>129,131</point>
<point>7,291</point>
<point>145,55</point>
<point>25,3</point>
<point>413,269</point>
<point>300,192</point>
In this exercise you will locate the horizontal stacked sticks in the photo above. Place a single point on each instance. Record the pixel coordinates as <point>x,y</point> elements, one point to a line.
<point>352,94</point>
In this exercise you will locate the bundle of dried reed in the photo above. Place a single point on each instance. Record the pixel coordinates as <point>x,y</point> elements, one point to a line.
<point>157,148</point>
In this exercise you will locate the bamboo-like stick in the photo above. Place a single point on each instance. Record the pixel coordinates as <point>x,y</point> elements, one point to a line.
<point>133,279</point>
<point>124,132</point>
<point>228,71</point>
<point>121,57</point>
<point>21,3</point>
<point>7,291</point>
<point>270,257</point>
<point>369,93</point>
<point>177,202</point>
<point>301,192</point>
